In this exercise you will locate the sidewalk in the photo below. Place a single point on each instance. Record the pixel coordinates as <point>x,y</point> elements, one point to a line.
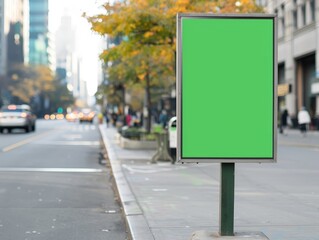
<point>293,137</point>
<point>169,202</point>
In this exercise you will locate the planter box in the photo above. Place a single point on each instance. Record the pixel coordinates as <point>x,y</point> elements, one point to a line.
<point>136,144</point>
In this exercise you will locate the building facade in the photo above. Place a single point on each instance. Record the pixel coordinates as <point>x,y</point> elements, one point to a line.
<point>14,29</point>
<point>14,19</point>
<point>39,30</point>
<point>298,56</point>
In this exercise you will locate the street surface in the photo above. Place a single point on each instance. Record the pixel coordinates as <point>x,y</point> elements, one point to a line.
<point>52,186</point>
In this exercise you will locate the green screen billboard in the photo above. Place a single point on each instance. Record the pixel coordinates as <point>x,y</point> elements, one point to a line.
<point>226,82</point>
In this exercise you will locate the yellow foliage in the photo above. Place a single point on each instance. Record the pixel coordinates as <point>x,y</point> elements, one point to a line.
<point>149,28</point>
<point>29,81</point>
<point>141,76</point>
<point>148,34</point>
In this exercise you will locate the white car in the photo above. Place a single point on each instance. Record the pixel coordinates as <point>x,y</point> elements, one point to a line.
<point>17,116</point>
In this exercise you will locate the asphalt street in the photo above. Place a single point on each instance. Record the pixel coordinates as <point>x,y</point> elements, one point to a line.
<point>53,187</point>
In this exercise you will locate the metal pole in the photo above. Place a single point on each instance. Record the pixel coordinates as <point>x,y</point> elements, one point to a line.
<point>227,191</point>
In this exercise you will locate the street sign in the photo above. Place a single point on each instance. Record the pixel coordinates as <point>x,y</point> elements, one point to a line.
<point>227,87</point>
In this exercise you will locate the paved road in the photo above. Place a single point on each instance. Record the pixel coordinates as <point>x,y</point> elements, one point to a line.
<point>53,187</point>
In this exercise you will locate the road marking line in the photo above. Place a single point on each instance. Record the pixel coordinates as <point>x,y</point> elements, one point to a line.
<point>72,143</point>
<point>56,170</point>
<point>151,169</point>
<point>25,141</point>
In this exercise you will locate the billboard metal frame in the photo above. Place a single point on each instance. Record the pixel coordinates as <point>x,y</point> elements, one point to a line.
<point>179,78</point>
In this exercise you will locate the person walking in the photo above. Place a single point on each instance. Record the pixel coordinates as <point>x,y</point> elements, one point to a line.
<point>107,119</point>
<point>303,120</point>
<point>163,118</point>
<point>283,121</point>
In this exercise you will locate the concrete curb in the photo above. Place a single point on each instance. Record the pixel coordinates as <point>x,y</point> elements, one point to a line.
<point>135,219</point>
<point>206,235</point>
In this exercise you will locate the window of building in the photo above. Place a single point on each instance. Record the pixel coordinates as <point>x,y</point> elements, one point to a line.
<point>281,73</point>
<point>313,10</point>
<point>37,18</point>
<point>295,19</point>
<point>282,19</point>
<point>283,11</point>
<point>38,7</point>
<point>303,10</point>
<point>38,28</point>
<point>294,15</point>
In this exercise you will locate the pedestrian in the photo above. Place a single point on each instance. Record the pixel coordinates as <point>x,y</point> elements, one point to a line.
<point>163,118</point>
<point>283,121</point>
<point>107,119</point>
<point>100,118</point>
<point>303,120</point>
<point>128,120</point>
<point>114,118</point>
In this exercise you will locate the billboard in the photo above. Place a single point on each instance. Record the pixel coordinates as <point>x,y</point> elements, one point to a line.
<point>227,87</point>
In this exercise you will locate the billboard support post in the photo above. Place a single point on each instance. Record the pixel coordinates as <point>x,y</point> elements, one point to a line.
<point>227,190</point>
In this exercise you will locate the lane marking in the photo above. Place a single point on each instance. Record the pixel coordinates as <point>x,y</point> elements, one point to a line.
<point>151,169</point>
<point>72,137</point>
<point>26,141</point>
<point>54,170</point>
<point>72,143</point>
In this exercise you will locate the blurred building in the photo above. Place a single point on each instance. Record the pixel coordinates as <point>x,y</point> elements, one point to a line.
<point>298,55</point>
<point>65,42</point>
<point>65,49</point>
<point>39,38</point>
<point>14,18</point>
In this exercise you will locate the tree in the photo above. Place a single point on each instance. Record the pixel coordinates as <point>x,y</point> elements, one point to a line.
<point>61,97</point>
<point>146,55</point>
<point>26,81</point>
<point>36,85</point>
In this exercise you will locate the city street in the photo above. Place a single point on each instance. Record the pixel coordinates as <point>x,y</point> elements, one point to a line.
<point>279,199</point>
<point>53,187</point>
<point>111,84</point>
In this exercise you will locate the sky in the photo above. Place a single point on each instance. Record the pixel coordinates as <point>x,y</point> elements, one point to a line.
<point>88,43</point>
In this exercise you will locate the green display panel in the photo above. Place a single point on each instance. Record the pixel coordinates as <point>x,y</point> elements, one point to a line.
<point>226,88</point>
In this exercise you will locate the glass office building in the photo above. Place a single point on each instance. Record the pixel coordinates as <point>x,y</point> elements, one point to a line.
<point>39,42</point>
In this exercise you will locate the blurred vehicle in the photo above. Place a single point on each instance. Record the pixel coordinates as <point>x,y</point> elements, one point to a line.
<point>86,115</point>
<point>59,116</point>
<point>17,116</point>
<point>54,116</point>
<point>72,116</point>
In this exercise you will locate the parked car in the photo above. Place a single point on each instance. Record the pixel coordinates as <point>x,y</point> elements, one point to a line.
<point>86,115</point>
<point>17,116</point>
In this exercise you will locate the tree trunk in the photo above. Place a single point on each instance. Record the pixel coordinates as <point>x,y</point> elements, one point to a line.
<point>148,103</point>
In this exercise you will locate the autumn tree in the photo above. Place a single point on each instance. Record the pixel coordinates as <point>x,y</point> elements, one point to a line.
<point>34,85</point>
<point>27,81</point>
<point>146,54</point>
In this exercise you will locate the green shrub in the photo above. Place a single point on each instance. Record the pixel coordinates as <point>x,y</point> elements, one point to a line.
<point>130,132</point>
<point>138,133</point>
